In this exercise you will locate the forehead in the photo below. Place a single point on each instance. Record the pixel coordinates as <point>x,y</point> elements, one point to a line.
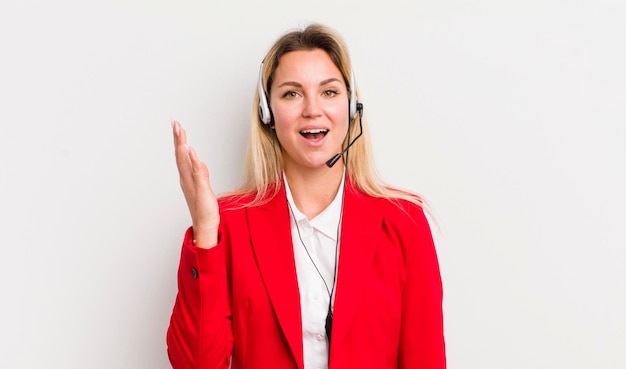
<point>306,65</point>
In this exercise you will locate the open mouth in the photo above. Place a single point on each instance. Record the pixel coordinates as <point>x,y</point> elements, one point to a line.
<point>314,134</point>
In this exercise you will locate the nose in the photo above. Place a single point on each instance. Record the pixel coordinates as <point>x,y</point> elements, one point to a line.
<point>311,106</point>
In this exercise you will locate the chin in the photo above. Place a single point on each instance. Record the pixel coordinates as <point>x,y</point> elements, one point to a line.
<point>316,162</point>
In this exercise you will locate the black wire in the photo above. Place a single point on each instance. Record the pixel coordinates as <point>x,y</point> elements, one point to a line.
<point>329,291</point>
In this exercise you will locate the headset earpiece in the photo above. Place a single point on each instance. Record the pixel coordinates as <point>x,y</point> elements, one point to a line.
<point>353,102</point>
<point>264,108</point>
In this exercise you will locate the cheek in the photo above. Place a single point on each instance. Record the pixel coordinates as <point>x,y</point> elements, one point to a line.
<point>284,130</point>
<point>283,126</point>
<point>339,115</point>
<point>281,136</point>
<point>338,111</point>
<point>284,115</point>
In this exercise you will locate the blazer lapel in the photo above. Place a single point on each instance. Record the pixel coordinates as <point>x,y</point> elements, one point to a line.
<point>271,240</point>
<point>361,222</point>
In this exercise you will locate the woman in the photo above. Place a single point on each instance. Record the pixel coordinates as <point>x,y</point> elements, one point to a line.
<point>309,264</point>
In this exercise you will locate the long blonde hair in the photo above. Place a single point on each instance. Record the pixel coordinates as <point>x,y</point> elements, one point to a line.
<point>264,162</point>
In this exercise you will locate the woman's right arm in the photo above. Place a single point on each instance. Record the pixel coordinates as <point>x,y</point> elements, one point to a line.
<point>200,331</point>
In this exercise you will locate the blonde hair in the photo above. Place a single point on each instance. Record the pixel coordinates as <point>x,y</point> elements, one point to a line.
<point>264,163</point>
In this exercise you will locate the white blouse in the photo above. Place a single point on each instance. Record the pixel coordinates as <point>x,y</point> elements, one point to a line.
<point>319,236</point>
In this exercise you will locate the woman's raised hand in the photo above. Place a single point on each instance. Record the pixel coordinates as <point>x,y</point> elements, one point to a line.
<point>194,180</point>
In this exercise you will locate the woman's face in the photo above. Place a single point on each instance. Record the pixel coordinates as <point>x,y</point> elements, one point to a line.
<point>309,101</point>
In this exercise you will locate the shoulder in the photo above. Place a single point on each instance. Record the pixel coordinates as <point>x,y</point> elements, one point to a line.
<point>406,225</point>
<point>244,199</point>
<point>234,201</point>
<point>393,202</point>
<point>403,213</point>
<point>396,206</point>
<point>233,206</point>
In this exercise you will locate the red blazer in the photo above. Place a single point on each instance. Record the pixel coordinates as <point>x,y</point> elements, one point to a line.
<point>240,299</point>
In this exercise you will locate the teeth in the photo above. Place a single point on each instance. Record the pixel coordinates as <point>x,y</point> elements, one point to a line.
<point>314,131</point>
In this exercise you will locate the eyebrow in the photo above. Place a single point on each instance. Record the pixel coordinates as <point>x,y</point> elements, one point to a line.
<point>297,84</point>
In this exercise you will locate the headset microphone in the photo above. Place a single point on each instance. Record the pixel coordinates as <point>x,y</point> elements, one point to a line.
<point>334,159</point>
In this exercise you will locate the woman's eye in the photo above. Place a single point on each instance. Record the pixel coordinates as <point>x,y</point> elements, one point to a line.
<point>290,94</point>
<point>330,93</point>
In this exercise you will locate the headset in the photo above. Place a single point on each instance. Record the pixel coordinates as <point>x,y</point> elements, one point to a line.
<point>266,114</point>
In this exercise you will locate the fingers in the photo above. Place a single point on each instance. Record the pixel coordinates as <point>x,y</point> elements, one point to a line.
<point>179,133</point>
<point>198,168</point>
<point>181,151</point>
<point>175,129</point>
<point>196,164</point>
<point>180,136</point>
<point>191,169</point>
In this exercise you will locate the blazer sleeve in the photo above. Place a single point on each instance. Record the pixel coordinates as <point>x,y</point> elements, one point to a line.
<point>421,337</point>
<point>200,330</point>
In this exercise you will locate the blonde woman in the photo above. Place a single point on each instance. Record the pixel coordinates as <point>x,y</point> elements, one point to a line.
<point>313,262</point>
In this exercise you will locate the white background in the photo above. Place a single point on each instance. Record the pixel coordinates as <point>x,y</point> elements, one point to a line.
<point>509,116</point>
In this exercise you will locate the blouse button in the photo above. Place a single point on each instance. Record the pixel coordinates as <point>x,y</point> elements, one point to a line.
<point>194,273</point>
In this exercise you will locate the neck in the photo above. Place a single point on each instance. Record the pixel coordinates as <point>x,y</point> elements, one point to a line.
<point>313,190</point>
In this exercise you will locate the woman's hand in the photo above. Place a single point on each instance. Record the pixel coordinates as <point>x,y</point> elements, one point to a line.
<point>194,180</point>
